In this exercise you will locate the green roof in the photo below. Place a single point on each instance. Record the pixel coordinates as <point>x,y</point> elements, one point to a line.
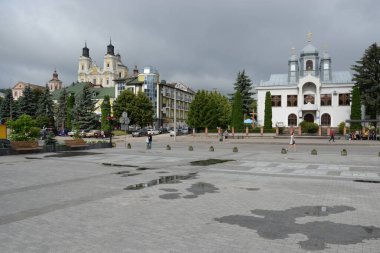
<point>76,88</point>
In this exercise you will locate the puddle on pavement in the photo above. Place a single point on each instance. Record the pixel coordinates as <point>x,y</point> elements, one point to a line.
<point>119,165</point>
<point>367,181</point>
<point>70,154</point>
<point>209,162</point>
<point>130,174</point>
<point>145,168</point>
<point>162,180</point>
<point>252,189</point>
<point>162,172</point>
<point>279,224</point>
<point>196,189</point>
<point>122,172</point>
<point>26,157</point>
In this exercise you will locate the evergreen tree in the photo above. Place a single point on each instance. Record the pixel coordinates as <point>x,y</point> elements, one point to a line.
<point>84,108</point>
<point>7,110</point>
<point>356,113</point>
<point>268,111</point>
<point>367,79</point>
<point>45,107</point>
<point>62,109</point>
<point>27,102</point>
<point>69,111</point>
<point>222,110</point>
<point>194,115</point>
<point>237,117</point>
<point>106,112</point>
<point>243,85</point>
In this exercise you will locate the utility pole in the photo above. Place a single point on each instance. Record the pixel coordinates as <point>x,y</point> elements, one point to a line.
<point>175,114</point>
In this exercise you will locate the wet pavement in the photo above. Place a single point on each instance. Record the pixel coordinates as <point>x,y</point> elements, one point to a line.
<point>158,200</point>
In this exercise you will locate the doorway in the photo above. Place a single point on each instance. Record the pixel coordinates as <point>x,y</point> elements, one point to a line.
<point>309,117</point>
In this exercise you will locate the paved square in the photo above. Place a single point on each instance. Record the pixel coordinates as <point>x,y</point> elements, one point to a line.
<point>261,201</point>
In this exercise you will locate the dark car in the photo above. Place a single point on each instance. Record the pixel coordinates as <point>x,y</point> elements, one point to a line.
<point>139,133</point>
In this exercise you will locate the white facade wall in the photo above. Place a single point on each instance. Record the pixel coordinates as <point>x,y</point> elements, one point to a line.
<point>280,115</point>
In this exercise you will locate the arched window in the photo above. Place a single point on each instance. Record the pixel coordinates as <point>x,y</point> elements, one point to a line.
<point>309,65</point>
<point>326,119</point>
<point>292,120</point>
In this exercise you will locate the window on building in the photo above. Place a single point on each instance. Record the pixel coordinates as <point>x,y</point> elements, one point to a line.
<point>292,120</point>
<point>108,81</point>
<point>308,99</point>
<point>325,99</point>
<point>292,100</point>
<point>108,65</point>
<point>326,119</point>
<point>344,99</point>
<point>276,101</point>
<point>119,74</point>
<point>94,81</point>
<point>309,65</point>
<point>82,67</point>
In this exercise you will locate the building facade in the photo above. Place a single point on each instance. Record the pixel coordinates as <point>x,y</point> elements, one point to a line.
<point>310,91</point>
<point>161,94</point>
<point>113,68</point>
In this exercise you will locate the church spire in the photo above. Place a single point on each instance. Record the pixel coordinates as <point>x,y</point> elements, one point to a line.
<point>110,48</point>
<point>309,36</point>
<point>85,51</point>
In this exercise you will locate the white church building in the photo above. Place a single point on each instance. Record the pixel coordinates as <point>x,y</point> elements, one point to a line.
<point>310,91</point>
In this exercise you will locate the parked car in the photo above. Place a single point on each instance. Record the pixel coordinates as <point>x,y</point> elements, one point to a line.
<point>153,131</point>
<point>163,130</point>
<point>184,130</point>
<point>139,133</point>
<point>171,133</point>
<point>83,133</point>
<point>72,133</point>
<point>93,134</point>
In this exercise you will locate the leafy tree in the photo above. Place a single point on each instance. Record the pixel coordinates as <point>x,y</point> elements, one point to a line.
<point>367,79</point>
<point>355,109</point>
<point>27,102</point>
<point>222,109</point>
<point>84,108</point>
<point>268,111</point>
<point>46,107</point>
<point>62,108</point>
<point>69,111</point>
<point>143,108</point>
<point>7,110</point>
<point>237,117</point>
<point>243,85</point>
<point>125,103</point>
<point>24,129</point>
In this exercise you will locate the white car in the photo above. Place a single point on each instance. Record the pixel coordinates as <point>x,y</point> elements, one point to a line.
<point>153,131</point>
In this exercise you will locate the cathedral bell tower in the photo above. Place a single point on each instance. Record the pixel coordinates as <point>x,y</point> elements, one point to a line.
<point>309,59</point>
<point>326,67</point>
<point>293,67</point>
<point>85,63</point>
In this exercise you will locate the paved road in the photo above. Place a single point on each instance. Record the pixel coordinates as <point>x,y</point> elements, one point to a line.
<point>138,200</point>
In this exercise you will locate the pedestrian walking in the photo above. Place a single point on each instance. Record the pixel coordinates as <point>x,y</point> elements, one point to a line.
<point>332,137</point>
<point>149,141</point>
<point>292,143</point>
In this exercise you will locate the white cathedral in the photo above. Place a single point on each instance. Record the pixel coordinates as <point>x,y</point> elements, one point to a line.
<point>310,91</point>
<point>113,68</point>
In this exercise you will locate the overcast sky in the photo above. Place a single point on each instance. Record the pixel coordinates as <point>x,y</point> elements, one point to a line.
<point>201,43</point>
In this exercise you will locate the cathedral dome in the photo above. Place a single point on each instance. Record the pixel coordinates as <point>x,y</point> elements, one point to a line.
<point>309,49</point>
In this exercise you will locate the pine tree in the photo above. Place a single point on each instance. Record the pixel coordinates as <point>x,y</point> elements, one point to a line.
<point>27,102</point>
<point>243,85</point>
<point>268,111</point>
<point>84,116</point>
<point>106,113</point>
<point>7,110</point>
<point>367,79</point>
<point>45,107</point>
<point>356,113</point>
<point>69,111</point>
<point>237,117</point>
<point>62,109</point>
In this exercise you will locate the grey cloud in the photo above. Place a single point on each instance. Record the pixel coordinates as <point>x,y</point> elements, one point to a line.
<point>201,43</point>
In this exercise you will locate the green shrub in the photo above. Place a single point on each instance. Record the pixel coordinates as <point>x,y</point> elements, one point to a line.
<point>341,127</point>
<point>309,127</point>
<point>24,129</point>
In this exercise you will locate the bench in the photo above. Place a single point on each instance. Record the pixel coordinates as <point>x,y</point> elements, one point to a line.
<point>76,143</point>
<point>25,146</point>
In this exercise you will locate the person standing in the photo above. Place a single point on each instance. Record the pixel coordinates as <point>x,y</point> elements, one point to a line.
<point>292,143</point>
<point>332,137</point>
